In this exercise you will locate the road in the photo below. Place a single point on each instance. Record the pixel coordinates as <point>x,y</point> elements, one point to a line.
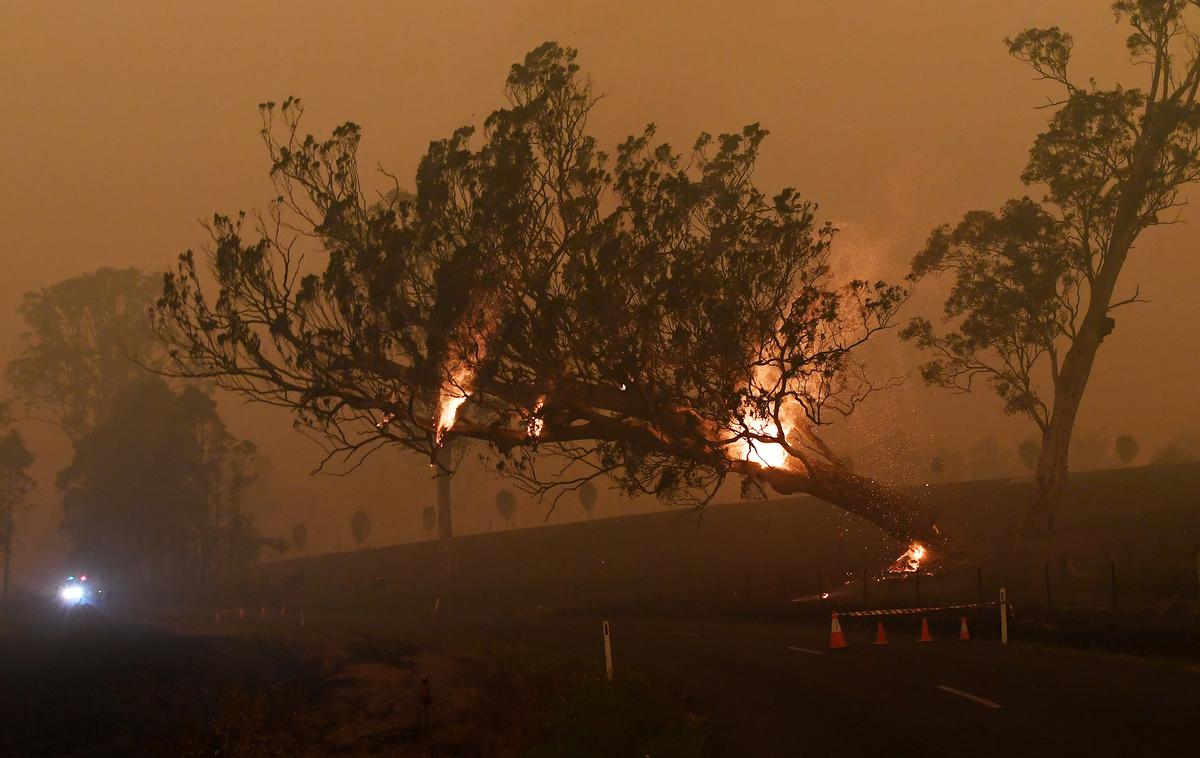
<point>764,688</point>
<point>772,689</point>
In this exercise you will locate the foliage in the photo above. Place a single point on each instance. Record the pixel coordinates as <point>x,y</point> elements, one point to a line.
<point>360,526</point>
<point>84,336</point>
<point>157,489</point>
<point>1028,452</point>
<point>506,506</point>
<point>1183,448</point>
<point>587,497</point>
<point>300,537</point>
<point>1127,448</point>
<point>653,316</point>
<point>937,465</point>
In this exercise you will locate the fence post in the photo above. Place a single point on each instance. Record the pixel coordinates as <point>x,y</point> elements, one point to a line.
<point>608,664</point>
<point>1003,616</point>
<point>864,584</point>
<point>917,577</point>
<point>1049,598</point>
<point>821,592</point>
<point>1112,570</point>
<point>979,580</point>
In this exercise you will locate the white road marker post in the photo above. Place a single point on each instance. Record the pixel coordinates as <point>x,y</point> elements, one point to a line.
<point>1003,616</point>
<point>608,651</point>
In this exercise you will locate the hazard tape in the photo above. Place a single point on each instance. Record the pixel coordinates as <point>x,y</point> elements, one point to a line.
<point>914,611</point>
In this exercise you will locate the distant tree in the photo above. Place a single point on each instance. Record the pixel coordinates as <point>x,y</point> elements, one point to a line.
<point>15,486</point>
<point>937,466</point>
<point>1127,448</point>
<point>506,506</point>
<point>1028,451</point>
<point>299,537</point>
<point>1183,448</point>
<point>84,337</point>
<point>587,497</point>
<point>429,518</point>
<point>649,315</point>
<point>360,526</point>
<point>1035,285</point>
<point>157,489</point>
<point>987,459</point>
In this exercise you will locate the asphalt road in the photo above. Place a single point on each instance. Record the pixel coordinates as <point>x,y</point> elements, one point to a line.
<point>772,689</point>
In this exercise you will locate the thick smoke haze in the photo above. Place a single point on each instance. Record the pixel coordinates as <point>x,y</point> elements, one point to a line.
<point>124,124</point>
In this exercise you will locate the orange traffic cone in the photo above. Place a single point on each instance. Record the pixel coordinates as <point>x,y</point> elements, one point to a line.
<point>880,637</point>
<point>837,640</point>
<point>963,634</point>
<point>925,636</point>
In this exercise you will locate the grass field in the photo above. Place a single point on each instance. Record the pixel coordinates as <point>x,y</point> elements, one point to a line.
<point>1141,524</point>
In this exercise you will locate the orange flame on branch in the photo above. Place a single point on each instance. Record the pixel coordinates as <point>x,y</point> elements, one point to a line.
<point>451,397</point>
<point>752,425</point>
<point>535,423</point>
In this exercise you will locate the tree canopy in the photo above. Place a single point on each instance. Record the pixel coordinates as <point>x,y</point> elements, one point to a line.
<point>85,338</point>
<point>360,526</point>
<point>157,489</point>
<point>506,506</point>
<point>649,315</point>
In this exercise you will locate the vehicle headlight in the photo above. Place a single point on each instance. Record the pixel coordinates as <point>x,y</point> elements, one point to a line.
<point>71,593</point>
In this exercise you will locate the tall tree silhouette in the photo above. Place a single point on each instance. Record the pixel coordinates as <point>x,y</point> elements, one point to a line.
<point>1035,285</point>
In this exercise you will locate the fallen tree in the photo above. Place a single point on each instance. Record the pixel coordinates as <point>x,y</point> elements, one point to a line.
<point>653,317</point>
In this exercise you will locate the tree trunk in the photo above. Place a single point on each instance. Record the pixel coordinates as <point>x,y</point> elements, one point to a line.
<point>445,517</point>
<point>443,461</point>
<point>901,515</point>
<point>1050,477</point>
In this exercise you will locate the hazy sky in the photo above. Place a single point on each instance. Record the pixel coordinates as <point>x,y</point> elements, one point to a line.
<point>124,123</point>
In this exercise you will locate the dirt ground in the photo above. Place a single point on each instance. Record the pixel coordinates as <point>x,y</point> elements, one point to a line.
<point>100,684</point>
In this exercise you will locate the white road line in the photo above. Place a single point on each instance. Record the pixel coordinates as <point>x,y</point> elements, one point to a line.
<point>687,634</point>
<point>805,650</point>
<point>982,701</point>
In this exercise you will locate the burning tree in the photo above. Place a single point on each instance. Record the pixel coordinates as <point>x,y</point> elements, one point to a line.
<point>652,317</point>
<point>1035,286</point>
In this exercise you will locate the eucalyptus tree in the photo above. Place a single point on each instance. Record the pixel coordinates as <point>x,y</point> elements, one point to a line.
<point>87,337</point>
<point>647,315</point>
<point>1035,285</point>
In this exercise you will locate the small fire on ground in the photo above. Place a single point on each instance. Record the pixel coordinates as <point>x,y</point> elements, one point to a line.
<point>911,560</point>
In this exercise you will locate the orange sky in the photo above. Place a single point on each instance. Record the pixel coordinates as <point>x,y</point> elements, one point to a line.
<point>124,123</point>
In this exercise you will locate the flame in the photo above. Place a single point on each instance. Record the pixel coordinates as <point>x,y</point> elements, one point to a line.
<point>753,424</point>
<point>536,423</point>
<point>911,560</point>
<point>766,454</point>
<point>451,397</point>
